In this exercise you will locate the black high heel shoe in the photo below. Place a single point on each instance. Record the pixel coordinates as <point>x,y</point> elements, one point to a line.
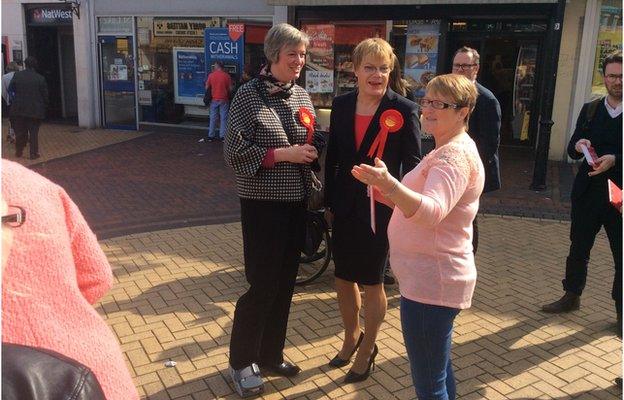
<point>338,362</point>
<point>353,377</point>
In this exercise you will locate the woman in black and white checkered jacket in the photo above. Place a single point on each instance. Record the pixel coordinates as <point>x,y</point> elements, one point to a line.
<point>267,146</point>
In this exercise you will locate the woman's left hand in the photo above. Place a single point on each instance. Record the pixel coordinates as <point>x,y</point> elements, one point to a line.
<point>376,176</point>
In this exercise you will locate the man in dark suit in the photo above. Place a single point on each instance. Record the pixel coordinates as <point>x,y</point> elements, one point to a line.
<point>484,124</point>
<point>599,125</point>
<point>28,108</point>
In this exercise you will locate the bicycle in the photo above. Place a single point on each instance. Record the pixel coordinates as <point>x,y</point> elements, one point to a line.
<point>317,250</point>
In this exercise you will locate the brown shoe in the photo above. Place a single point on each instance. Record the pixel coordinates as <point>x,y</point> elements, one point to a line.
<point>569,302</point>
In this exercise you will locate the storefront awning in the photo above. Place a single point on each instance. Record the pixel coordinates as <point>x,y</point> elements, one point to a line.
<point>394,2</point>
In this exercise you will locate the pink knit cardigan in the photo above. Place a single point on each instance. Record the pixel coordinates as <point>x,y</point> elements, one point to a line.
<point>55,272</point>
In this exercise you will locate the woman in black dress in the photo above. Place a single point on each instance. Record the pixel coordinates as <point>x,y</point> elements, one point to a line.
<point>372,121</point>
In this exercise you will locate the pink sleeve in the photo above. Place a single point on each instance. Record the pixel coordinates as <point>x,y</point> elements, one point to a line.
<point>269,159</point>
<point>93,272</point>
<point>447,180</point>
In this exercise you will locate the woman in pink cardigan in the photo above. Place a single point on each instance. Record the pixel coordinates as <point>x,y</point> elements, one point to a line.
<point>430,232</point>
<point>54,273</point>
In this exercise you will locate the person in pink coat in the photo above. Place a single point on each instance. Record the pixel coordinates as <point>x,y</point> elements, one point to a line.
<point>54,273</point>
<point>430,232</point>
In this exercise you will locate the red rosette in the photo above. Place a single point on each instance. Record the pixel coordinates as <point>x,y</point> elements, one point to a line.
<point>390,121</point>
<point>306,117</point>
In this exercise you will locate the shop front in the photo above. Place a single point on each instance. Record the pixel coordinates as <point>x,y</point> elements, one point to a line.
<point>153,68</point>
<point>509,38</point>
<point>50,39</point>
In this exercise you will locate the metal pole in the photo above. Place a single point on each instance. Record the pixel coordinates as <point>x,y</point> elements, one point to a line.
<point>553,41</point>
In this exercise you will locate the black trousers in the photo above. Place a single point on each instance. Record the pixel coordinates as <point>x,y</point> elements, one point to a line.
<point>273,236</point>
<point>26,129</point>
<point>591,212</point>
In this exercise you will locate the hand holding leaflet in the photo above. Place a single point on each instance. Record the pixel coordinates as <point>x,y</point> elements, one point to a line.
<point>590,155</point>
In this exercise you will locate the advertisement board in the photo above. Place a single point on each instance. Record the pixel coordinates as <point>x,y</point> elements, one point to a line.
<point>190,73</point>
<point>225,45</point>
<point>421,53</point>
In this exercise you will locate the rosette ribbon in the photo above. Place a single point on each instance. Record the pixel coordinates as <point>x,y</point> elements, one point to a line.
<point>390,121</point>
<point>306,117</point>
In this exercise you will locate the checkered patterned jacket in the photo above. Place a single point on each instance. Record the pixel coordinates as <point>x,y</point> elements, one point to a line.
<point>253,129</point>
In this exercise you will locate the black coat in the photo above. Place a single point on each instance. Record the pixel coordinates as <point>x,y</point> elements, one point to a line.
<point>604,141</point>
<point>31,95</point>
<point>484,128</point>
<point>343,193</point>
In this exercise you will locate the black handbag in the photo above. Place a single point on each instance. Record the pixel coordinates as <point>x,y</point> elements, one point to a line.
<point>207,97</point>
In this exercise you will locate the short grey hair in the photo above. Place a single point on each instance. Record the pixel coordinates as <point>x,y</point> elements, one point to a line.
<point>281,35</point>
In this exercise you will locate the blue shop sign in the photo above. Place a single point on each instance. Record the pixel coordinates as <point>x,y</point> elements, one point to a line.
<point>220,46</point>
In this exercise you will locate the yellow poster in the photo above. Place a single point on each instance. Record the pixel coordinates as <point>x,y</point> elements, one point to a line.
<point>183,27</point>
<point>609,40</point>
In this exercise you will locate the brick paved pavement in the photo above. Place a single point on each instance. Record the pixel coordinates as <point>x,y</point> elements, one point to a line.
<point>56,141</point>
<point>161,180</point>
<point>175,293</point>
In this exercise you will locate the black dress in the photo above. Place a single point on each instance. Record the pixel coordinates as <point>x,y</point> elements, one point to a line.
<point>360,254</point>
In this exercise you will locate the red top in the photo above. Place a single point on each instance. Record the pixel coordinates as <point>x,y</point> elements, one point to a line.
<point>220,82</point>
<point>361,125</point>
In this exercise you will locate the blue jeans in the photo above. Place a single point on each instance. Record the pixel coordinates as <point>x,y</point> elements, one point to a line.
<point>427,332</point>
<point>220,107</point>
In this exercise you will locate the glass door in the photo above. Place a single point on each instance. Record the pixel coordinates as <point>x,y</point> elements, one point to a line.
<point>117,78</point>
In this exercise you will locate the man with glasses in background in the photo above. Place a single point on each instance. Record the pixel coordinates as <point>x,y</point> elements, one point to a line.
<point>484,124</point>
<point>599,126</point>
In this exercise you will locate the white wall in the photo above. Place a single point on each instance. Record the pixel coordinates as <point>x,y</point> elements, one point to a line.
<point>219,8</point>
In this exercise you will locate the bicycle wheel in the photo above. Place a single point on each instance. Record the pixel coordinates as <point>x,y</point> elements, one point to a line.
<point>316,254</point>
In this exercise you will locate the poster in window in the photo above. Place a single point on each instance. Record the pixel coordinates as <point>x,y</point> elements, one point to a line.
<point>189,75</point>
<point>421,53</point>
<point>609,40</point>
<point>319,76</point>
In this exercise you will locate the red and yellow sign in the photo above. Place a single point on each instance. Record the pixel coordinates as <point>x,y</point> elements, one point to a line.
<point>306,117</point>
<point>390,121</point>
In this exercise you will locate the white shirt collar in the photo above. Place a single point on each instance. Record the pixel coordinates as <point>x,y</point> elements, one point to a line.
<point>613,112</point>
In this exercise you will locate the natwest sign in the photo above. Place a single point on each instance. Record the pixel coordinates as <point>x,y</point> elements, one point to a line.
<point>49,16</point>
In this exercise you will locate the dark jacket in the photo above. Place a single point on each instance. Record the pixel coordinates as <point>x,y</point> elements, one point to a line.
<point>343,193</point>
<point>484,128</point>
<point>30,373</point>
<point>31,95</point>
<point>605,135</point>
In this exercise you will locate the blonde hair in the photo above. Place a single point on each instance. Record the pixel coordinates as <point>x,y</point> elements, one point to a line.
<point>376,47</point>
<point>461,90</point>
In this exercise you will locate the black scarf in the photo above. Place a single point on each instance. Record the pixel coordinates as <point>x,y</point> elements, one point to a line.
<point>273,86</point>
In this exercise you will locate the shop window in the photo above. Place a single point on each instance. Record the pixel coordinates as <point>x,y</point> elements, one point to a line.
<point>609,40</point>
<point>157,38</point>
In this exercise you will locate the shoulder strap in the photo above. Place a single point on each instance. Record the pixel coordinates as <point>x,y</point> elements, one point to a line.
<point>591,110</point>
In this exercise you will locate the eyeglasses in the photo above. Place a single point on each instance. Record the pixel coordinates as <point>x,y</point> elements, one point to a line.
<point>437,104</point>
<point>613,77</point>
<point>16,218</point>
<point>464,67</point>
<point>384,69</point>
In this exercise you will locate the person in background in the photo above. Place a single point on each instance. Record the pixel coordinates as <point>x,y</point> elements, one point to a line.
<point>359,253</point>
<point>399,84</point>
<point>11,68</point>
<point>28,108</point>
<point>267,147</point>
<point>430,232</point>
<point>220,84</point>
<point>484,125</point>
<point>599,125</point>
<point>55,272</point>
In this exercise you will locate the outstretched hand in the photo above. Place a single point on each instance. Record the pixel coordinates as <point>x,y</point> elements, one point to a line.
<point>377,176</point>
